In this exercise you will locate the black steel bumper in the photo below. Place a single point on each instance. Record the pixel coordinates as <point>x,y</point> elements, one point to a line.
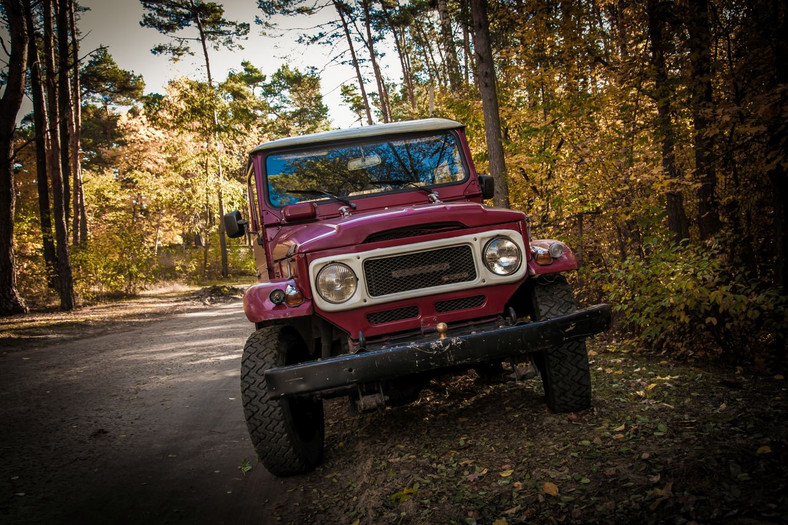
<point>465,347</point>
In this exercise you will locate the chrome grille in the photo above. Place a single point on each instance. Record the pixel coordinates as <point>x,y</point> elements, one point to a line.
<point>398,314</point>
<point>459,304</point>
<point>415,271</point>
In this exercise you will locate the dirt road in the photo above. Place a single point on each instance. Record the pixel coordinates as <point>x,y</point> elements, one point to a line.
<point>140,425</point>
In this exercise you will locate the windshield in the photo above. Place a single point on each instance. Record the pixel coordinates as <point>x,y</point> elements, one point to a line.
<point>359,169</point>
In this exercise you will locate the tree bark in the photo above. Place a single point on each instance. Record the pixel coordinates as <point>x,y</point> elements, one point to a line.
<point>383,95</point>
<point>65,277</point>
<point>339,7</point>
<point>449,49</point>
<point>42,178</point>
<point>10,102</point>
<point>80,225</point>
<point>705,172</point>
<point>220,174</point>
<point>489,94</point>
<point>65,110</point>
<point>402,53</point>
<point>657,20</point>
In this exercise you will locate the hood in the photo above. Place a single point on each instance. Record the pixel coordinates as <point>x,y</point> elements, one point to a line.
<point>354,229</point>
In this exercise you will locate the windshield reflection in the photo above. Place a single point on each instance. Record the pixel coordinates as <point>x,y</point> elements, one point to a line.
<point>360,169</point>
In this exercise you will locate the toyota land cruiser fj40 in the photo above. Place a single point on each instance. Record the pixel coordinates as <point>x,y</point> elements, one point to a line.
<point>379,268</point>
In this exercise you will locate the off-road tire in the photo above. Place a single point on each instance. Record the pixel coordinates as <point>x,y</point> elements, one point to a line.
<point>287,434</point>
<point>565,375</point>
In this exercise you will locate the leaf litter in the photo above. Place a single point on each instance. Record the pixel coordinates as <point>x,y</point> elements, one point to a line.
<point>479,453</point>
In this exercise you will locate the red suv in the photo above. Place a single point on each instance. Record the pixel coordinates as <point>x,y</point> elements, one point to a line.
<point>379,268</point>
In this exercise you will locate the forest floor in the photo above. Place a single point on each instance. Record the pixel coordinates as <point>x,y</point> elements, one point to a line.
<point>664,442</point>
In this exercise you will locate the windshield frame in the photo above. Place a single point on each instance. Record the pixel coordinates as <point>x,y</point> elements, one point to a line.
<point>377,140</point>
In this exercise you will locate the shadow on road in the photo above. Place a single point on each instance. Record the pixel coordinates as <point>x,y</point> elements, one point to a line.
<point>140,425</point>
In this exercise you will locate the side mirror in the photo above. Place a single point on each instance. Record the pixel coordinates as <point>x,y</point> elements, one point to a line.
<point>234,225</point>
<point>488,186</point>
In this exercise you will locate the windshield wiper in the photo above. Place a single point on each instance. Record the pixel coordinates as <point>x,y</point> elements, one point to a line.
<point>323,193</point>
<point>433,195</point>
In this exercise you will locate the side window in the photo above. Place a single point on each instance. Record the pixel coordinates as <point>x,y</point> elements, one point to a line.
<point>254,204</point>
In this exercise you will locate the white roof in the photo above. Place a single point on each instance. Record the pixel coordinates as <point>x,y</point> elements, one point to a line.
<point>409,126</point>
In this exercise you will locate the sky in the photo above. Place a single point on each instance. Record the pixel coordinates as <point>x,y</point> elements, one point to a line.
<point>115,24</point>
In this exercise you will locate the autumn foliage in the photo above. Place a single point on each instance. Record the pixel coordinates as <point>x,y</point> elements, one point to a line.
<point>651,136</point>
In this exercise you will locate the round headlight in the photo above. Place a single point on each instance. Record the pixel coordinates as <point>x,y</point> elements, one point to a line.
<point>556,250</point>
<point>502,256</point>
<point>336,283</point>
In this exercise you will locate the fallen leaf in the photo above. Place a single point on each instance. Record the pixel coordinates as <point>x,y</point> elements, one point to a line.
<point>550,489</point>
<point>476,475</point>
<point>765,449</point>
<point>500,521</point>
<point>403,495</point>
<point>506,473</point>
<point>779,377</point>
<point>652,386</point>
<point>620,429</point>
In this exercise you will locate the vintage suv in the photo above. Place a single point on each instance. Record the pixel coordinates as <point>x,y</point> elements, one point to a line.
<point>379,268</point>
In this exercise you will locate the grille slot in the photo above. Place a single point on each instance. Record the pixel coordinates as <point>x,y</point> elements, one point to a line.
<point>397,314</point>
<point>413,231</point>
<point>464,303</point>
<point>415,271</point>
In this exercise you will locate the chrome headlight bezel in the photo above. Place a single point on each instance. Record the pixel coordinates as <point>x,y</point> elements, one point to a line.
<point>337,287</point>
<point>502,256</point>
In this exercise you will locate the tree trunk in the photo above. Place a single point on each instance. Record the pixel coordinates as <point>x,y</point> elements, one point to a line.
<point>449,49</point>
<point>466,42</point>
<point>701,93</point>
<point>360,79</point>
<point>383,95</point>
<point>65,278</point>
<point>65,110</point>
<point>489,94</point>
<point>429,59</point>
<point>42,179</point>
<point>220,175</point>
<point>10,102</point>
<point>402,52</point>
<point>80,226</point>
<point>657,20</point>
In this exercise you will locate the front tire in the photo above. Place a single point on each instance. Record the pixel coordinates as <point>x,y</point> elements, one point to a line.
<point>565,373</point>
<point>288,433</point>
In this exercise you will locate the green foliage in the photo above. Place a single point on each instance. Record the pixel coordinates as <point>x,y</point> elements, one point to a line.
<point>103,82</point>
<point>683,300</point>
<point>172,17</point>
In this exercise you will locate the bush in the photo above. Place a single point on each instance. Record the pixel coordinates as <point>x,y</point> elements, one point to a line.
<point>683,300</point>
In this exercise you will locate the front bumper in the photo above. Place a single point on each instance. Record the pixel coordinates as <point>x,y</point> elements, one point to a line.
<point>464,347</point>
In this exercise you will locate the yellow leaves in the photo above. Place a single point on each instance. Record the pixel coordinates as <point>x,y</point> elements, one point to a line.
<point>506,473</point>
<point>403,495</point>
<point>550,488</point>
<point>652,386</point>
<point>764,449</point>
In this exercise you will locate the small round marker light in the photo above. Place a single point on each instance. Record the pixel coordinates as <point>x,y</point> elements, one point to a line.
<point>277,296</point>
